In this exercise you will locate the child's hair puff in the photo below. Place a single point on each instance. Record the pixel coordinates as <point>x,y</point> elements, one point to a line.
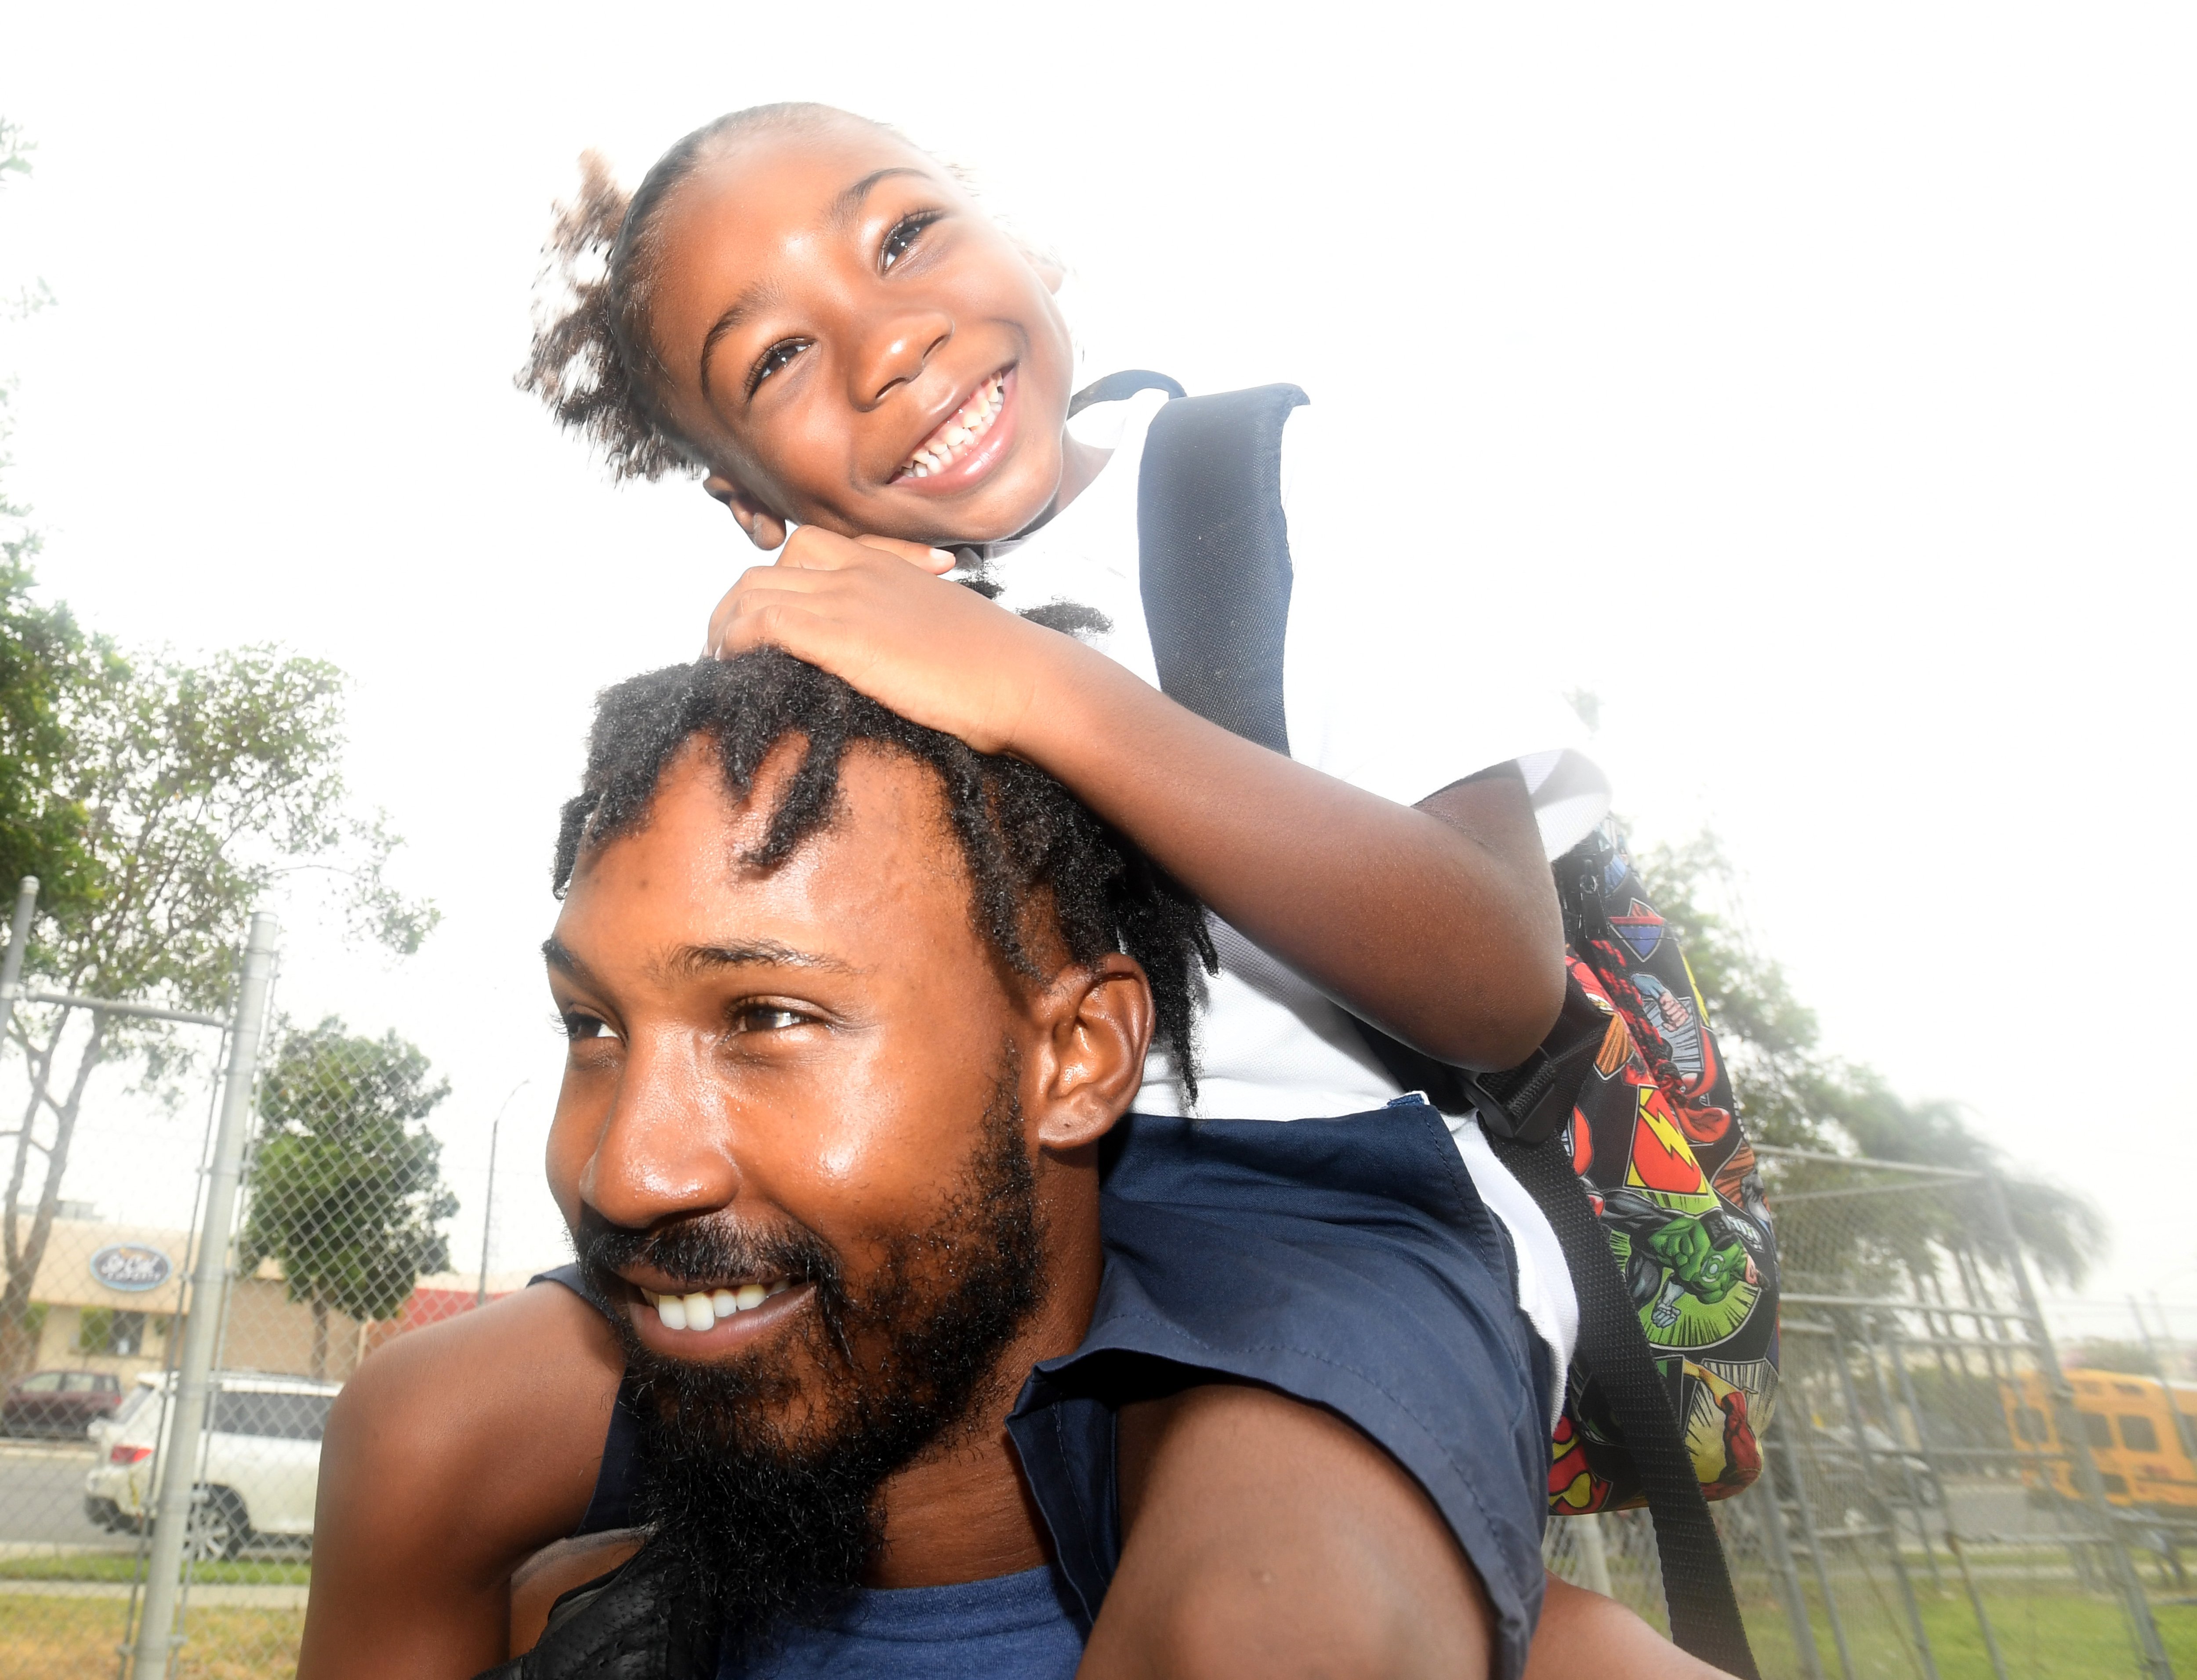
<point>594,361</point>
<point>580,365</point>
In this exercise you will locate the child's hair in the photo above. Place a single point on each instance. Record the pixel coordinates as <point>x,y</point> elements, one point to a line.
<point>594,361</point>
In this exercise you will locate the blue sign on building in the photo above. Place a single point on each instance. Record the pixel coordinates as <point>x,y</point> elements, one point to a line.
<point>131,1265</point>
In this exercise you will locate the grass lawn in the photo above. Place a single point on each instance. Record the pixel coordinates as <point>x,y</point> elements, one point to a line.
<point>2050,1634</point>
<point>122,1567</point>
<point>75,1639</point>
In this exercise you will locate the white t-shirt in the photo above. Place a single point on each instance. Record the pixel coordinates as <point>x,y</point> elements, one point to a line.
<point>1400,720</point>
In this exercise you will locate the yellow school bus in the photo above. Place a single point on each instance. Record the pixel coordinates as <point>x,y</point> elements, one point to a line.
<point>2142,1457</point>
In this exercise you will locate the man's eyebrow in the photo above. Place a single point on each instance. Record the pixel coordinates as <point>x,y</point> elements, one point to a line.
<point>756,953</point>
<point>559,957</point>
<point>845,206</point>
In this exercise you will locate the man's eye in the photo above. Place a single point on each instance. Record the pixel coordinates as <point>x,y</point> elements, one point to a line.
<point>902,238</point>
<point>578,1026</point>
<point>773,359</point>
<point>766,1018</point>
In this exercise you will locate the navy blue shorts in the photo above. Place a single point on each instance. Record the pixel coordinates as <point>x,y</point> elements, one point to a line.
<point>1347,1262</point>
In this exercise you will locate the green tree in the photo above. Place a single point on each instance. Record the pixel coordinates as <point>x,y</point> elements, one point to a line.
<point>202,784</point>
<point>44,658</point>
<point>1792,1092</point>
<point>346,1185</point>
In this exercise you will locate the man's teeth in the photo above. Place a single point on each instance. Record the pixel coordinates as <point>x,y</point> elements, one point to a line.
<point>699,1312</point>
<point>959,434</point>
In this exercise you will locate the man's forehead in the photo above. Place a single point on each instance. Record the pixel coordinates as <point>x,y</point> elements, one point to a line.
<point>842,900</point>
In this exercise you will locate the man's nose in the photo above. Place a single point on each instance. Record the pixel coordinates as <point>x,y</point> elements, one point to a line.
<point>894,350</point>
<point>664,1152</point>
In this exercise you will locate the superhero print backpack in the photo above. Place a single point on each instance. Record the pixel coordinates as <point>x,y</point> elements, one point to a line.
<point>1654,1138</point>
<point>1621,1125</point>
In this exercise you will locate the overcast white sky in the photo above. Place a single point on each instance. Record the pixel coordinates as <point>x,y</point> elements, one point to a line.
<point>1817,388</point>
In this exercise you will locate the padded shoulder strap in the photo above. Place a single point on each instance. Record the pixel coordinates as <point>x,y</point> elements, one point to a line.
<point>1214,556</point>
<point>1114,386</point>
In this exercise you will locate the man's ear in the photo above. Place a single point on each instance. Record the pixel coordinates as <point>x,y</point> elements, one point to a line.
<point>1086,1074</point>
<point>764,528</point>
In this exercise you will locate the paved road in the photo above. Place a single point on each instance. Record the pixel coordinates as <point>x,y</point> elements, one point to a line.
<point>42,1494</point>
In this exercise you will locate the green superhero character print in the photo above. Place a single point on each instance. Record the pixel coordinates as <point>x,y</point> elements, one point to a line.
<point>1675,1256</point>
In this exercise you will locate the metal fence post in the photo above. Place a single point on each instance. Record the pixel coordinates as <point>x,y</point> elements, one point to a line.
<point>1593,1554</point>
<point>1770,1511</point>
<point>1818,1561</point>
<point>1944,1499</point>
<point>2087,1482</point>
<point>1915,1506</point>
<point>19,941</point>
<point>179,1458</point>
<point>1872,1483</point>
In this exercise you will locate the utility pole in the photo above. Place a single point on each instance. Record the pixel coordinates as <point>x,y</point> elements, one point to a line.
<point>488,1212</point>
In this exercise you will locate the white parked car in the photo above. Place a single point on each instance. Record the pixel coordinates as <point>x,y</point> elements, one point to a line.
<point>262,1458</point>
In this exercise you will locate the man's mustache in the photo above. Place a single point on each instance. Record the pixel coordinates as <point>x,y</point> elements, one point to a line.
<point>704,1252</point>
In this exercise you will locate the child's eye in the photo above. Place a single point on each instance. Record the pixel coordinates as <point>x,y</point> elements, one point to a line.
<point>773,359</point>
<point>902,238</point>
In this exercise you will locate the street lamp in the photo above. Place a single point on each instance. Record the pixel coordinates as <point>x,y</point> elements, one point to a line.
<point>488,1213</point>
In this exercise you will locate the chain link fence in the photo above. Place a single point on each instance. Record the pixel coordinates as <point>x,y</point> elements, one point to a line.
<point>306,1160</point>
<point>1939,1500</point>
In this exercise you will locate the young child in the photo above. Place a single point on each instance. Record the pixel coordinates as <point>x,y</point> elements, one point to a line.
<point>869,375</point>
<point>906,386</point>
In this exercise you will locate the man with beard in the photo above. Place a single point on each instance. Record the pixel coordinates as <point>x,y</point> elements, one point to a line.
<point>855,1018</point>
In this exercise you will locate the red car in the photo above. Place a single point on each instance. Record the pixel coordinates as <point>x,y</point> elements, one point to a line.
<point>58,1402</point>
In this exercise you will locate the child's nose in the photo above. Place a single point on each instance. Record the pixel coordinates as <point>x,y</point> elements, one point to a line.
<point>896,349</point>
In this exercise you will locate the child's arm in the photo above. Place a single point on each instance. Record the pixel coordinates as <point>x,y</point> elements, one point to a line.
<point>1437,924</point>
<point>454,1454</point>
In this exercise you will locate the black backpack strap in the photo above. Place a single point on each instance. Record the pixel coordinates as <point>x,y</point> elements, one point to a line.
<point>1216,574</point>
<point>1214,548</point>
<point>1613,1351</point>
<point>1114,386</point>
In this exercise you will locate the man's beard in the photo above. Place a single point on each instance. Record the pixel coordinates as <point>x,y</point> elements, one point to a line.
<point>760,1485</point>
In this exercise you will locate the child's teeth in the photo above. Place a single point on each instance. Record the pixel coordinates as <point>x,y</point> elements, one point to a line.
<point>973,421</point>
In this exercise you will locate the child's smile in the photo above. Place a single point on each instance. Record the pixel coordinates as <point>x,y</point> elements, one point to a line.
<point>969,442</point>
<point>851,343</point>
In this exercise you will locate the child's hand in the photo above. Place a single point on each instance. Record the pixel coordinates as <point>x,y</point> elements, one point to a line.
<point>877,613</point>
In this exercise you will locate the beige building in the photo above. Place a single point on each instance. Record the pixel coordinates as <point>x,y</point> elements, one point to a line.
<point>106,1297</point>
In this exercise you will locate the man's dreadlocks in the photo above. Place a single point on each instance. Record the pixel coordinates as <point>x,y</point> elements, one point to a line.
<point>1027,843</point>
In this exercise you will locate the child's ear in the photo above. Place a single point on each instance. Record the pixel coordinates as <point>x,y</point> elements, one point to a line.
<point>1098,1024</point>
<point>1049,271</point>
<point>764,528</point>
